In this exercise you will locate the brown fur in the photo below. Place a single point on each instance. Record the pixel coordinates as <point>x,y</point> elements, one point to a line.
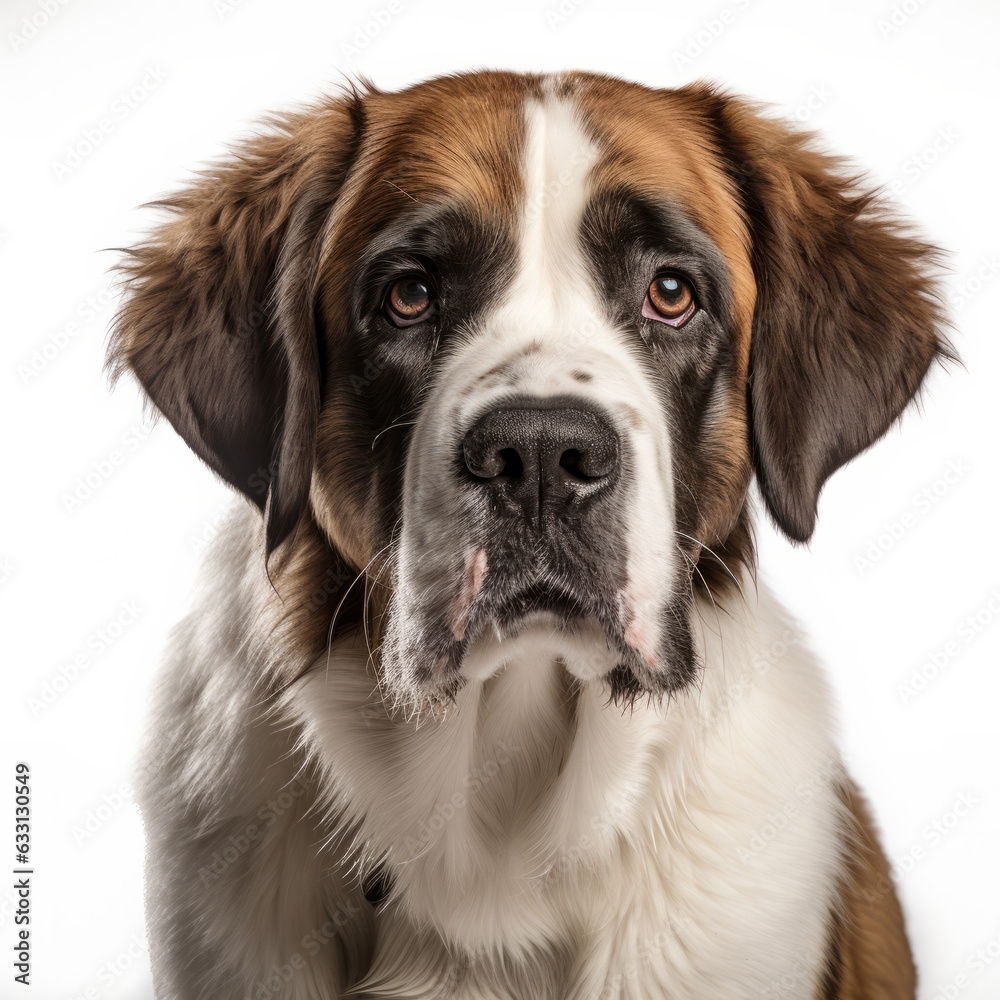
<point>847,319</point>
<point>218,324</point>
<point>869,955</point>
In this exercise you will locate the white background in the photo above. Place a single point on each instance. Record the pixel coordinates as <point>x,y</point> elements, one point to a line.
<point>912,96</point>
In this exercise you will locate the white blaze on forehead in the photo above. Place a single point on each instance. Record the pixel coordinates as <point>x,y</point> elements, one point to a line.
<point>550,321</point>
<point>557,163</point>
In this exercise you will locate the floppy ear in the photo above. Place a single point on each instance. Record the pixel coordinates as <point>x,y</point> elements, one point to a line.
<point>218,320</point>
<point>847,318</point>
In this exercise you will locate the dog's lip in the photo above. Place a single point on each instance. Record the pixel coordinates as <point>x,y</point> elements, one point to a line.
<point>511,628</point>
<point>534,604</point>
<point>527,600</point>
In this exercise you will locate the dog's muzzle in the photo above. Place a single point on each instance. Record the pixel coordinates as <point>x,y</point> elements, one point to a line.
<point>520,538</point>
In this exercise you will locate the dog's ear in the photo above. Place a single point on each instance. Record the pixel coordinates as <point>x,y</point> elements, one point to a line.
<point>848,315</point>
<point>218,319</point>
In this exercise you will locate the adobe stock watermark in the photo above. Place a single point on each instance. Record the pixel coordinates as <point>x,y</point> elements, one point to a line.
<point>223,8</point>
<point>97,817</point>
<point>969,287</point>
<point>645,955</point>
<point>798,980</point>
<point>761,663</point>
<point>712,28</point>
<point>31,25</point>
<point>934,834</point>
<point>335,579</point>
<point>110,972</point>
<point>976,963</point>
<point>370,29</point>
<point>898,16</point>
<point>273,983</point>
<point>924,500</point>
<point>819,96</point>
<point>239,843</point>
<point>581,160</point>
<point>44,354</point>
<point>938,660</point>
<point>444,812</point>
<point>8,904</point>
<point>599,828</point>
<point>102,469</point>
<point>931,837</point>
<point>210,530</point>
<point>121,109</point>
<point>96,643</point>
<point>560,13</point>
<point>779,819</point>
<point>915,166</point>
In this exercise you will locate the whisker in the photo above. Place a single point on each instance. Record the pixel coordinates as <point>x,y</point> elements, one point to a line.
<point>718,618</point>
<point>393,184</point>
<point>370,590</point>
<point>708,589</point>
<point>715,556</point>
<point>343,598</point>
<point>402,423</point>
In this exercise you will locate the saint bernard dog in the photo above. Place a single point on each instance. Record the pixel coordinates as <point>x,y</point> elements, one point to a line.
<point>481,698</point>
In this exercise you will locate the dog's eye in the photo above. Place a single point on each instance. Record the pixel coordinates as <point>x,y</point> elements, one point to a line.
<point>670,300</point>
<point>410,300</point>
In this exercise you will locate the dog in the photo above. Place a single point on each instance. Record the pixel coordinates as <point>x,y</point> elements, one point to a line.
<point>481,697</point>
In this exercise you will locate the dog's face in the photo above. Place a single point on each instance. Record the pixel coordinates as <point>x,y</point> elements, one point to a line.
<point>518,345</point>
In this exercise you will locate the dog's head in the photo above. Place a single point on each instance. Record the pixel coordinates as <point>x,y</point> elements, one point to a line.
<point>519,343</point>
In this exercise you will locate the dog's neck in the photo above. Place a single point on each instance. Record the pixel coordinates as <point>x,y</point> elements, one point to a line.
<point>536,807</point>
<point>530,776</point>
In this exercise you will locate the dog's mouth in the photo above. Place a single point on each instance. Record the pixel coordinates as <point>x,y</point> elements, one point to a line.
<point>493,597</point>
<point>491,614</point>
<point>566,573</point>
<point>490,606</point>
<point>541,602</point>
<point>532,603</point>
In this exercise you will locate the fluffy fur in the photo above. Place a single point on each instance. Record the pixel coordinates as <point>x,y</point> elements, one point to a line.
<point>413,744</point>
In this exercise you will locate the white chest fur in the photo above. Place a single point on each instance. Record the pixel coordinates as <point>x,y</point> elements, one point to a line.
<point>687,849</point>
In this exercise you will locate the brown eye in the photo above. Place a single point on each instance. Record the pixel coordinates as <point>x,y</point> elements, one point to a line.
<point>409,301</point>
<point>671,300</point>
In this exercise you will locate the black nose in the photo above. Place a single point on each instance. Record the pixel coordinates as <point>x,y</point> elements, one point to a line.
<point>543,458</point>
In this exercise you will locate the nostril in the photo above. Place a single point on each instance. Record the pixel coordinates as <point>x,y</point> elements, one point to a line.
<point>570,461</point>
<point>513,467</point>
<point>592,463</point>
<point>490,462</point>
<point>587,466</point>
